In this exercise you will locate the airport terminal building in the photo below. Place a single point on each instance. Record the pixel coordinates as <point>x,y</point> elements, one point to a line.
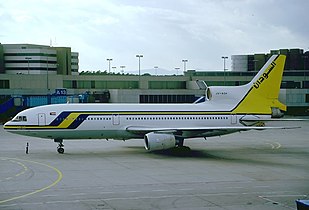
<point>37,59</point>
<point>32,75</point>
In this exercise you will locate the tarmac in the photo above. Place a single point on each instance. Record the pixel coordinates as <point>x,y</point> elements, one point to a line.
<point>248,170</point>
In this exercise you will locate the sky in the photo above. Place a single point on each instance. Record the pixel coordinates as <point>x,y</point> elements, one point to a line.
<point>165,32</point>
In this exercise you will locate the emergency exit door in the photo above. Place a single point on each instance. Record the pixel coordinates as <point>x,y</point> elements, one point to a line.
<point>233,118</point>
<point>116,120</point>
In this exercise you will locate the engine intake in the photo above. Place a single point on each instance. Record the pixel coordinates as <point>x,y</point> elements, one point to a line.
<point>159,141</point>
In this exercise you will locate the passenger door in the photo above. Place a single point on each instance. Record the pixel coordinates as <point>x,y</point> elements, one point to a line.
<point>41,119</point>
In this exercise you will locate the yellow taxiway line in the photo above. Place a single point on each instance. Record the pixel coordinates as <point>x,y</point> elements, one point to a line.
<point>18,161</point>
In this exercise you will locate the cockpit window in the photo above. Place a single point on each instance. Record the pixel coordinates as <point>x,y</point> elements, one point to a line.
<point>20,119</point>
<point>16,119</point>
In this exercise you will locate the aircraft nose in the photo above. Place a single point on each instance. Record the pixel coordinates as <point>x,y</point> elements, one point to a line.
<point>5,126</point>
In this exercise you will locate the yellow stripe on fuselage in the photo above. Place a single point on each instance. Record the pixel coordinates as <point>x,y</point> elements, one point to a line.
<point>68,120</point>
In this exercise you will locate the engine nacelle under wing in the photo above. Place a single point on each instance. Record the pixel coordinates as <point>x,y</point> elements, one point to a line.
<point>159,141</point>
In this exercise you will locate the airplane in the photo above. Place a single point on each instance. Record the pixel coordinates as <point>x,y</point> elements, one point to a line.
<point>162,126</point>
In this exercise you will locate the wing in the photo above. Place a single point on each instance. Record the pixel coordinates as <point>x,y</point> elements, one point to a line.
<point>273,120</point>
<point>198,131</point>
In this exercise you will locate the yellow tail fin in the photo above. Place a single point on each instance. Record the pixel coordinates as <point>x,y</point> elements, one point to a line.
<point>264,89</point>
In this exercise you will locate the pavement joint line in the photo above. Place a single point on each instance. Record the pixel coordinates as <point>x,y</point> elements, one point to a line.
<point>275,202</point>
<point>76,194</point>
<point>155,197</point>
<point>107,192</point>
<point>262,186</point>
<point>277,196</point>
<point>132,198</point>
<point>49,195</point>
<point>186,189</point>
<point>159,190</point>
<point>133,191</point>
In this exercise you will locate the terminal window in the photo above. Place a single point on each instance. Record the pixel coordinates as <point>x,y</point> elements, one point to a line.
<point>4,84</point>
<point>167,98</point>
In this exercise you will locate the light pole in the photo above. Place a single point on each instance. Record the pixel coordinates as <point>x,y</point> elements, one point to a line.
<point>224,57</point>
<point>109,64</point>
<point>305,57</point>
<point>28,58</point>
<point>47,73</point>
<point>184,64</point>
<point>156,70</point>
<point>255,64</point>
<point>177,68</point>
<point>122,67</point>
<point>114,69</point>
<point>139,65</point>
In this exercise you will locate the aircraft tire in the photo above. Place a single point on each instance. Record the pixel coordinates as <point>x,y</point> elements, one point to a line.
<point>184,148</point>
<point>60,150</point>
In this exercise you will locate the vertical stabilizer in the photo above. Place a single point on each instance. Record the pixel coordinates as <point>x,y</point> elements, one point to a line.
<point>264,89</point>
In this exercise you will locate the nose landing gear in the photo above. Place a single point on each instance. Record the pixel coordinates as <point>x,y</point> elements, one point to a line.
<point>60,148</point>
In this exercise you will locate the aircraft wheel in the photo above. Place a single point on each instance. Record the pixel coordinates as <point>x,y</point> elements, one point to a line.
<point>184,149</point>
<point>60,150</point>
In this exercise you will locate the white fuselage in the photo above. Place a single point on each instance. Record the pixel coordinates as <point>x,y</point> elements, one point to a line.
<point>118,121</point>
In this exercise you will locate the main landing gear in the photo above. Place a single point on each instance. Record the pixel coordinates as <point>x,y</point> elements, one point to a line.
<point>180,147</point>
<point>60,148</point>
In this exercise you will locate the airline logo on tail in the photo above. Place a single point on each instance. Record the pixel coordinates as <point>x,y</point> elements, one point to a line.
<point>264,76</point>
